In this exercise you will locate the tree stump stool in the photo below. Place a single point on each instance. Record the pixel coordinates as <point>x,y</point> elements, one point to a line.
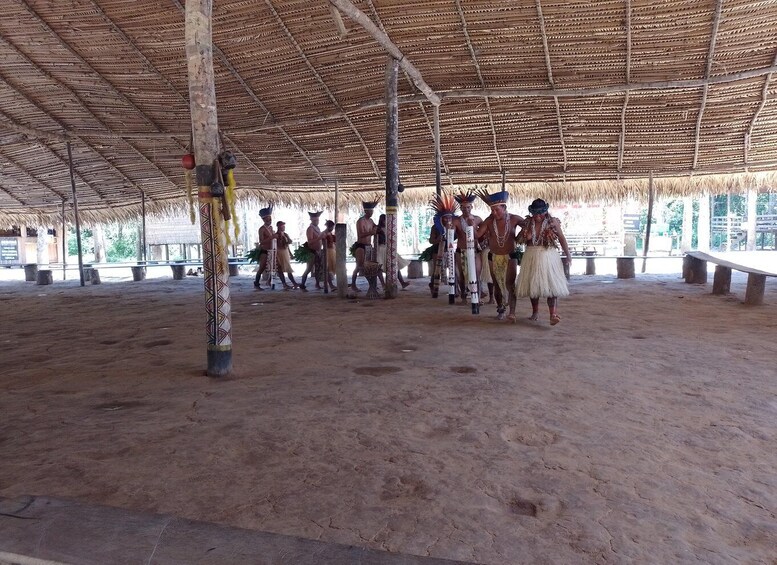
<point>234,270</point>
<point>44,276</point>
<point>721,284</point>
<point>31,272</point>
<point>138,273</point>
<point>94,276</point>
<point>625,267</point>
<point>179,271</point>
<point>371,271</point>
<point>590,263</point>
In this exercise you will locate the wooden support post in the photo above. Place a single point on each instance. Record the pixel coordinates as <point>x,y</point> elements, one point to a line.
<point>721,283</point>
<point>64,243</point>
<point>202,99</point>
<point>437,159</point>
<point>392,176</point>
<point>625,267</point>
<point>651,198</point>
<point>143,226</point>
<point>341,248</point>
<point>754,294</point>
<point>75,212</point>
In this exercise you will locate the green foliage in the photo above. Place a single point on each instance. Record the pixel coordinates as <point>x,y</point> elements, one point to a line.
<point>352,249</point>
<point>87,241</point>
<point>122,243</point>
<point>426,254</point>
<point>253,255</point>
<point>303,253</point>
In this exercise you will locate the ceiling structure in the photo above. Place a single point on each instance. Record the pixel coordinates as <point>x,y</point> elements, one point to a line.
<point>570,99</point>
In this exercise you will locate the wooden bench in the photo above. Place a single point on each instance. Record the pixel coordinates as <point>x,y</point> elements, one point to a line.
<point>695,271</point>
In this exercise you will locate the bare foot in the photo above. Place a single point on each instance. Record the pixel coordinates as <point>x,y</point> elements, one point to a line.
<point>554,319</point>
<point>500,316</point>
<point>354,288</point>
<point>534,316</point>
<point>492,301</point>
<point>405,284</point>
<point>511,318</point>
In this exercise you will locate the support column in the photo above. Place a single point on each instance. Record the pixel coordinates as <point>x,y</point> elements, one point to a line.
<point>143,227</point>
<point>703,225</point>
<point>64,243</point>
<point>752,197</point>
<point>686,240</point>
<point>75,212</point>
<point>341,248</point>
<point>202,96</point>
<point>392,176</point>
<point>651,198</point>
<point>437,175</point>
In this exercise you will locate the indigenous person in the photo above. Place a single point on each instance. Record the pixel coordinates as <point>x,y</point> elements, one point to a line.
<point>401,261</point>
<point>434,238</point>
<point>313,241</point>
<point>485,271</point>
<point>465,201</point>
<point>266,235</point>
<point>500,227</point>
<point>330,241</point>
<point>542,274</point>
<point>366,228</point>
<point>445,218</point>
<point>284,256</point>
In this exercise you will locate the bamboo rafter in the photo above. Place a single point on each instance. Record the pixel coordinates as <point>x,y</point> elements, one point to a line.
<point>429,122</point>
<point>482,82</point>
<point>622,139</point>
<point>549,67</point>
<point>325,87</point>
<point>121,95</point>
<point>708,70</point>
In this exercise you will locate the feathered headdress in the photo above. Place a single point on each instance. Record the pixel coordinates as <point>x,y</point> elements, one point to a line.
<point>315,214</point>
<point>443,205</point>
<point>468,197</point>
<point>264,212</point>
<point>370,205</point>
<point>495,198</point>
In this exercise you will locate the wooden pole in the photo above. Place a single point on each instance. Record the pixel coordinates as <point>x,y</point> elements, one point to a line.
<point>752,199</point>
<point>337,201</point>
<point>75,212</point>
<point>392,176</point>
<point>143,227</point>
<point>437,177</point>
<point>341,233</point>
<point>651,198</point>
<point>202,97</point>
<point>64,243</point>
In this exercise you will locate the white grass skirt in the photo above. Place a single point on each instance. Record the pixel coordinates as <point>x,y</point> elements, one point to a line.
<point>401,261</point>
<point>541,274</point>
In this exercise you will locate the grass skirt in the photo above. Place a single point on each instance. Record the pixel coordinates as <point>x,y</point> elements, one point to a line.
<point>541,274</point>
<point>284,260</point>
<point>401,261</point>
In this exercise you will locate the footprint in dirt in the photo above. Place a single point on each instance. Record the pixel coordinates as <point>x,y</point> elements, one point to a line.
<point>530,435</point>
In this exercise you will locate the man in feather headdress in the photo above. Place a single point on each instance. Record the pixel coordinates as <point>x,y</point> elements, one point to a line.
<point>444,207</point>
<point>500,227</point>
<point>366,229</point>
<point>266,236</point>
<point>465,200</point>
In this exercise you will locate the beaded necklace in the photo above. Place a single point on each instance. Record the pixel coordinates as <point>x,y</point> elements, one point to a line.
<point>502,240</point>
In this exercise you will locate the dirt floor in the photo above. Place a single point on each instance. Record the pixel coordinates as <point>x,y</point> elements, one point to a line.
<point>640,429</point>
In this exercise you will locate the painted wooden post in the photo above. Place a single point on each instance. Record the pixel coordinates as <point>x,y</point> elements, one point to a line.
<point>392,176</point>
<point>75,212</point>
<point>202,97</point>
<point>437,175</point>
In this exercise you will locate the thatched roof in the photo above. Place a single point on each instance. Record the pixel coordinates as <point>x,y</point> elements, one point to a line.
<point>573,99</point>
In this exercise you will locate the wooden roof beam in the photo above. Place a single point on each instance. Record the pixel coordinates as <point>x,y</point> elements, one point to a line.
<point>622,139</point>
<point>325,87</point>
<point>764,97</point>
<point>113,89</point>
<point>474,57</point>
<point>29,174</point>
<point>548,65</point>
<point>710,60</point>
<point>346,7</point>
<point>13,197</point>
